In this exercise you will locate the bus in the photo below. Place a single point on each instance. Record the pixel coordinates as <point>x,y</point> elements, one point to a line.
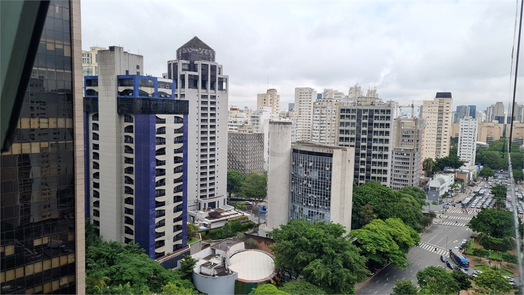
<point>458,258</point>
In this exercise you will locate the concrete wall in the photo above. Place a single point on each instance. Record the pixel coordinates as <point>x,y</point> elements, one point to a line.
<point>342,186</point>
<point>279,173</point>
<point>215,285</point>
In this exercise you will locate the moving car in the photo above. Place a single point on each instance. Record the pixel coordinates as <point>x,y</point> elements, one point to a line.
<point>443,258</point>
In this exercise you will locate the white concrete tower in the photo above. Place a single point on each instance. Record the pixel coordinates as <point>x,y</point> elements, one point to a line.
<point>304,98</point>
<point>279,173</point>
<point>467,144</point>
<point>200,80</point>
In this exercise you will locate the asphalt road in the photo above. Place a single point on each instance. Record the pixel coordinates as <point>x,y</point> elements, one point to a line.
<point>439,236</point>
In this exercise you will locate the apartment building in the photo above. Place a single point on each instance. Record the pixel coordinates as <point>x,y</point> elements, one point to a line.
<point>269,99</point>
<point>324,123</point>
<point>467,143</point>
<point>438,114</point>
<point>406,154</point>
<point>304,99</point>
<point>367,126</point>
<point>245,152</point>
<point>201,82</point>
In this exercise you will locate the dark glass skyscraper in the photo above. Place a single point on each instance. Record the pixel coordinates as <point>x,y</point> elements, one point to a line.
<point>42,221</point>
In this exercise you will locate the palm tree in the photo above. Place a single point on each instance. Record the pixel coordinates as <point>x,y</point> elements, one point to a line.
<point>428,166</point>
<point>96,282</point>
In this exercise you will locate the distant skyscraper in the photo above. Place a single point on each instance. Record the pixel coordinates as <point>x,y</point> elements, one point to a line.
<point>473,111</point>
<point>407,150</point>
<point>291,106</point>
<point>135,134</point>
<point>495,112</point>
<point>245,152</point>
<point>201,81</point>
<point>467,143</point>
<point>367,126</point>
<point>438,116</point>
<point>461,112</point>
<point>42,188</point>
<point>304,98</point>
<point>269,99</point>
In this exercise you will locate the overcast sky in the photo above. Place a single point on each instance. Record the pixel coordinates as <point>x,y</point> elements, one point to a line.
<point>409,50</point>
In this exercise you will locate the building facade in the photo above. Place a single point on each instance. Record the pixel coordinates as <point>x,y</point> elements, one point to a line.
<point>367,126</point>
<point>245,152</point>
<point>134,143</point>
<point>438,114</point>
<point>269,99</point>
<point>406,154</point>
<point>304,99</point>
<point>324,130</point>
<point>42,208</point>
<point>201,81</point>
<point>321,183</point>
<point>467,143</point>
<point>90,61</point>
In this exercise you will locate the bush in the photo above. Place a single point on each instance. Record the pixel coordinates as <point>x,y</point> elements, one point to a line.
<point>239,218</point>
<point>251,244</point>
<point>508,257</point>
<point>480,252</point>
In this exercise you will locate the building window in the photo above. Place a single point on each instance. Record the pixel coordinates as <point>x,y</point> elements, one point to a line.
<point>128,170</point>
<point>178,169</point>
<point>160,141</point>
<point>161,182</point>
<point>95,126</point>
<point>94,117</point>
<point>96,194</point>
<point>96,175</point>
<point>160,213</point>
<point>179,139</point>
<point>96,156</point>
<point>128,180</point>
<point>178,189</point>
<point>96,146</point>
<point>128,118</point>
<point>160,223</point>
<point>95,136</point>
<point>129,201</point>
<point>96,213</point>
<point>160,172</point>
<point>161,130</point>
<point>128,139</point>
<point>161,151</point>
<point>128,230</point>
<point>128,190</point>
<point>160,120</point>
<point>96,204</point>
<point>128,160</point>
<point>128,150</point>
<point>128,211</point>
<point>128,129</point>
<point>128,220</point>
<point>160,162</point>
<point>160,192</point>
<point>96,165</point>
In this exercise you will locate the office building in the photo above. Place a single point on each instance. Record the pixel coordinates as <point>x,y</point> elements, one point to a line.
<point>304,99</point>
<point>495,112</point>
<point>324,129</point>
<point>367,126</point>
<point>42,198</point>
<point>307,181</point>
<point>291,106</point>
<point>461,112</point>
<point>407,150</point>
<point>438,115</point>
<point>134,143</point>
<point>201,81</point>
<point>245,152</point>
<point>269,99</point>
<point>467,143</point>
<point>90,61</point>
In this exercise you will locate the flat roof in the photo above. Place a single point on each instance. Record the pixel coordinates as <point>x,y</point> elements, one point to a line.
<point>253,266</point>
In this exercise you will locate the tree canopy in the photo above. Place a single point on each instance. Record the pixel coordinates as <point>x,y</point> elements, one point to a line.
<point>234,181</point>
<point>387,203</point>
<point>267,289</point>
<point>492,279</point>
<point>385,241</point>
<point>462,279</point>
<point>486,172</point>
<point>320,253</point>
<point>112,268</point>
<point>493,222</point>
<point>428,165</point>
<point>301,287</point>
<point>451,161</point>
<point>404,287</point>
<point>436,280</point>
<point>254,186</point>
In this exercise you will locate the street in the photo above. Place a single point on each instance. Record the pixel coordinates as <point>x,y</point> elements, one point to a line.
<point>441,237</point>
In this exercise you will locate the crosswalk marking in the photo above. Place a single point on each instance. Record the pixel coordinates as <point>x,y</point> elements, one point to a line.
<point>453,223</point>
<point>458,217</point>
<point>471,211</point>
<point>431,248</point>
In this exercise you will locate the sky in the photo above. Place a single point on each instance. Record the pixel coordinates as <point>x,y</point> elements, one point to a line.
<point>408,50</point>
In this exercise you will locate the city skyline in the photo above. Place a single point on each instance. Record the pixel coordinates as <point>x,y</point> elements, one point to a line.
<point>409,50</point>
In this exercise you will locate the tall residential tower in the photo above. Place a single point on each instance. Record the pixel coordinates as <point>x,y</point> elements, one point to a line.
<point>438,114</point>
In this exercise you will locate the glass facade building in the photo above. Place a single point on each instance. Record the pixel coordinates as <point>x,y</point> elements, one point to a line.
<point>39,243</point>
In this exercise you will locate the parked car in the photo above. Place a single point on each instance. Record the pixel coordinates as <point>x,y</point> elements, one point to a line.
<point>450,264</point>
<point>443,258</point>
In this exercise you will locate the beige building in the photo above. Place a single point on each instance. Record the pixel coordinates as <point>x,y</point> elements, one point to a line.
<point>269,99</point>
<point>489,132</point>
<point>90,61</point>
<point>304,99</point>
<point>324,129</point>
<point>438,114</point>
<point>407,148</point>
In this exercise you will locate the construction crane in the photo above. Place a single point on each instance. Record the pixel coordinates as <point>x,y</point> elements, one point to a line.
<point>412,106</point>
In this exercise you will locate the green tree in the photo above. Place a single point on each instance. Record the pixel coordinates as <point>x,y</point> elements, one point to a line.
<point>496,223</point>
<point>267,289</point>
<point>96,282</point>
<point>320,253</point>
<point>255,186</point>
<point>417,193</point>
<point>451,161</point>
<point>493,280</point>
<point>436,280</point>
<point>187,265</point>
<point>428,165</point>
<point>234,181</point>
<point>486,172</point>
<point>404,287</point>
<point>518,175</point>
<point>385,241</point>
<point>499,192</point>
<point>462,279</point>
<point>367,215</point>
<point>192,230</point>
<point>387,203</point>
<point>172,288</point>
<point>301,287</point>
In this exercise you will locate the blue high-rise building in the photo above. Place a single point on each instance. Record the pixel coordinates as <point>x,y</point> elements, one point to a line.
<point>135,134</point>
